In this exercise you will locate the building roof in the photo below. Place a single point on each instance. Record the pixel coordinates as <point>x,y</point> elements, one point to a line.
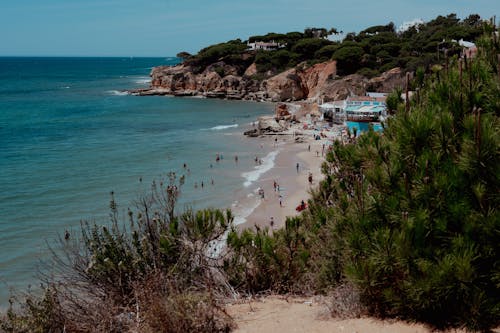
<point>366,99</point>
<point>365,109</point>
<point>376,94</point>
<point>332,105</point>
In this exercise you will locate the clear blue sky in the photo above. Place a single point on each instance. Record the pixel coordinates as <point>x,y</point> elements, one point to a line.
<point>165,27</point>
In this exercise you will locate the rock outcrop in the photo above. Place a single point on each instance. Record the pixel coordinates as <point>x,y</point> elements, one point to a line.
<point>220,80</point>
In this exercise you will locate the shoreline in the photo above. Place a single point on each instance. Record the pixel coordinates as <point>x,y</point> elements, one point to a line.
<point>251,211</point>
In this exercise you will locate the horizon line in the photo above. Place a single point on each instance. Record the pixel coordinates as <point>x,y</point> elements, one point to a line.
<point>81,56</point>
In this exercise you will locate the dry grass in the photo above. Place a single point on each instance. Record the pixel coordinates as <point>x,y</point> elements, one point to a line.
<point>344,302</point>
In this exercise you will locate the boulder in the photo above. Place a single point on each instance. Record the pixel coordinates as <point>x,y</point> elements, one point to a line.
<point>281,111</point>
<point>268,124</point>
<point>387,81</point>
<point>285,86</point>
<point>251,70</point>
<point>252,133</point>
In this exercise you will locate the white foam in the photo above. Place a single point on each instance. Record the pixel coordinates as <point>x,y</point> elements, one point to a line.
<point>223,127</point>
<point>118,92</point>
<point>242,212</point>
<point>267,164</point>
<point>143,81</point>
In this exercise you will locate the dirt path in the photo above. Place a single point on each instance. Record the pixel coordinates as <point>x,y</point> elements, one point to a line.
<point>275,314</point>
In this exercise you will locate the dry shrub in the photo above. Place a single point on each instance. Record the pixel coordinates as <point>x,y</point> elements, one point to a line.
<point>344,302</point>
<point>168,308</point>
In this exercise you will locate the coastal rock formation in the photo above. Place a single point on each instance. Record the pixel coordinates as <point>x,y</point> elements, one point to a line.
<point>251,70</point>
<point>220,80</point>
<point>317,77</point>
<point>338,89</point>
<point>269,124</point>
<point>387,81</point>
<point>285,86</point>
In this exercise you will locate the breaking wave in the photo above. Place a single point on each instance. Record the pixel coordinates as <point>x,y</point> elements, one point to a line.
<point>267,164</point>
<point>118,92</point>
<point>223,127</point>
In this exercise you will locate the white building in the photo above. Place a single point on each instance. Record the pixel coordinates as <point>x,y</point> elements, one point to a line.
<point>356,108</point>
<point>264,46</point>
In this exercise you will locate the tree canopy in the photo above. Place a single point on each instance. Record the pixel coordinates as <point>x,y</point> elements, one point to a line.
<point>373,50</point>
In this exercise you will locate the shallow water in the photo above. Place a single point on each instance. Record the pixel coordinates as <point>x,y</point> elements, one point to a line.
<point>69,136</point>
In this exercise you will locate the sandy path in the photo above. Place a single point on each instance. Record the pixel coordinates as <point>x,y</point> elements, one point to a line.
<point>275,314</point>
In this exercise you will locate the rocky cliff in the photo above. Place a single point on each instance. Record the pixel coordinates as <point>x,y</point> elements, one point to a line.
<point>315,83</point>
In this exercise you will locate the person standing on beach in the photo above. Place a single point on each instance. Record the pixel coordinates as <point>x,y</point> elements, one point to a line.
<point>271,222</point>
<point>261,192</point>
<point>297,167</point>
<point>281,200</point>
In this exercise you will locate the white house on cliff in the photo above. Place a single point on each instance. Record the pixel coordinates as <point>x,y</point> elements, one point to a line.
<point>264,46</point>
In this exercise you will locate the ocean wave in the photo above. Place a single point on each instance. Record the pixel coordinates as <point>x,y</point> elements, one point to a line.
<point>241,212</point>
<point>254,175</point>
<point>118,92</point>
<point>223,127</point>
<point>143,81</point>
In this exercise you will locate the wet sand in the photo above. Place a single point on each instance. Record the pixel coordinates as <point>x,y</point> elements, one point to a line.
<point>294,185</point>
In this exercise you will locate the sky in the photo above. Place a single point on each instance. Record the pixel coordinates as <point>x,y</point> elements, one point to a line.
<point>163,28</point>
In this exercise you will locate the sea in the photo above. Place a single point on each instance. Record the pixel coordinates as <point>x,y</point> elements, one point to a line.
<point>70,135</point>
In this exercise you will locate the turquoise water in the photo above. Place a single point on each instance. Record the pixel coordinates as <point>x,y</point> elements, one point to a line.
<point>69,137</point>
<point>363,126</point>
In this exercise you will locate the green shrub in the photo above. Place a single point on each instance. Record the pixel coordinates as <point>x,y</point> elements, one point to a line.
<point>368,72</point>
<point>414,213</point>
<point>348,59</point>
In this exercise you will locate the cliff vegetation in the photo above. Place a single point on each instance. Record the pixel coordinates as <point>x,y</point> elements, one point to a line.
<point>374,59</point>
<point>371,51</point>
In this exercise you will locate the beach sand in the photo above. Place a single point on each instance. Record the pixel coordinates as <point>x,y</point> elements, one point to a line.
<point>294,185</point>
<point>299,314</point>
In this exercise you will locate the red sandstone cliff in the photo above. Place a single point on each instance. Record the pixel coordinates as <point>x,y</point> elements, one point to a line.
<point>317,83</point>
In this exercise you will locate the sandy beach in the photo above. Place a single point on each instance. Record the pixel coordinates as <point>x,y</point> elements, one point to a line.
<point>293,183</point>
<point>300,314</point>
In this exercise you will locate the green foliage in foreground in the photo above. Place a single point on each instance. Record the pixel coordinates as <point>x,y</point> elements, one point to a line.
<point>414,212</point>
<point>156,274</point>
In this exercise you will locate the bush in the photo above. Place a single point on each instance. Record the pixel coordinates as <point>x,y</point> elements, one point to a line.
<point>276,61</point>
<point>326,52</point>
<point>307,47</point>
<point>348,59</point>
<point>260,261</point>
<point>368,72</point>
<point>162,265</point>
<point>414,212</point>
